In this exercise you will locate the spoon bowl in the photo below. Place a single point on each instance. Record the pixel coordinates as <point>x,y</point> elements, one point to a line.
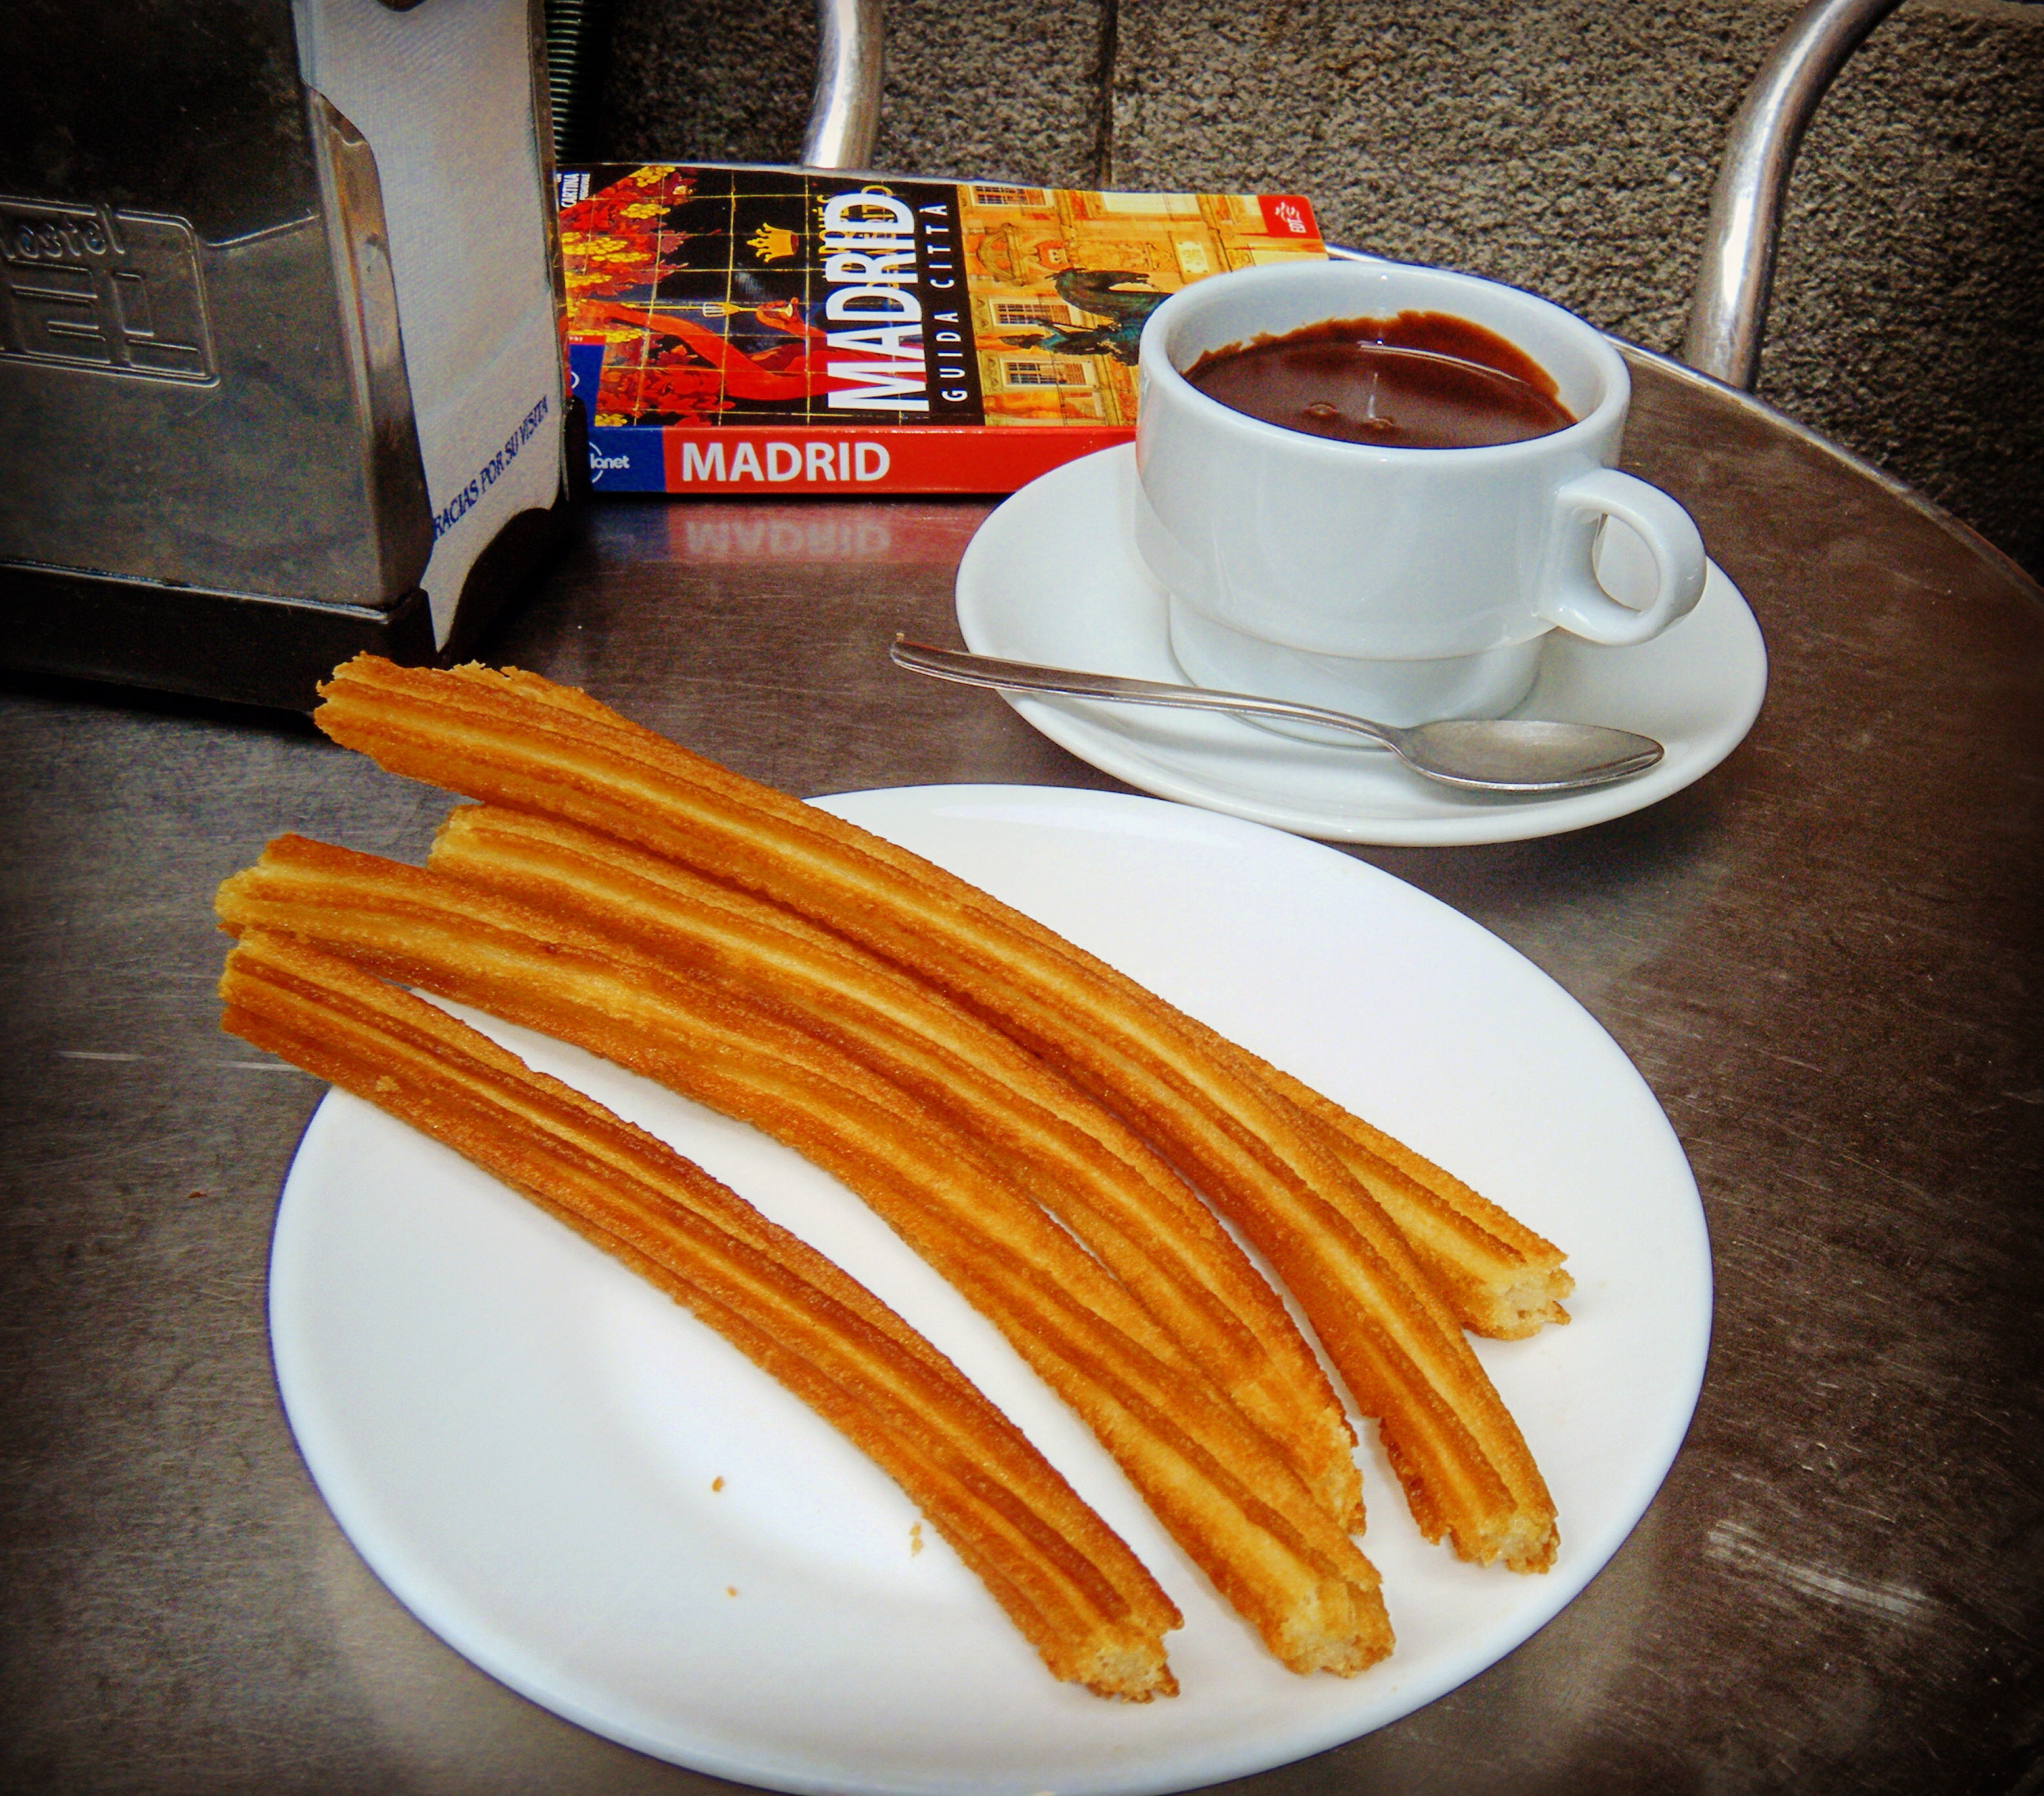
<point>1522,754</point>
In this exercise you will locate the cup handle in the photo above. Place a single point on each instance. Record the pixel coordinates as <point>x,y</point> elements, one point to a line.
<point>1577,603</point>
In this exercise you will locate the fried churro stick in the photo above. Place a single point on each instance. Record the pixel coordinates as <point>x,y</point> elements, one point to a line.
<point>517,740</point>
<point>1214,1481</point>
<point>1078,1161</point>
<point>1065,1580</point>
<point>1500,1279</point>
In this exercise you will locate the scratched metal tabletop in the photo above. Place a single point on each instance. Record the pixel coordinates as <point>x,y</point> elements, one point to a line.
<point>1824,958</point>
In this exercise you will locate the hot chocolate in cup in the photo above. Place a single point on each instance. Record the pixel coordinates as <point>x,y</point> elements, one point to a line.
<point>1325,559</point>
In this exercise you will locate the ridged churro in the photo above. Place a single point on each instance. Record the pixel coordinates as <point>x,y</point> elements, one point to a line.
<point>1499,1278</point>
<point>1215,1481</point>
<point>516,740</point>
<point>1078,1161</point>
<point>1065,1580</point>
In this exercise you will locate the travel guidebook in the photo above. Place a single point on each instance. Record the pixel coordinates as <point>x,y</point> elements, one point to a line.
<point>740,330</point>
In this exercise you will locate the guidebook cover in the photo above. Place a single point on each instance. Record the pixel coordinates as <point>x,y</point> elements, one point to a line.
<point>758,330</point>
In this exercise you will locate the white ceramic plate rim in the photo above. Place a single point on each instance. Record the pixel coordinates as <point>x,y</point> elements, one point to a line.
<point>490,1406</point>
<point>1060,552</point>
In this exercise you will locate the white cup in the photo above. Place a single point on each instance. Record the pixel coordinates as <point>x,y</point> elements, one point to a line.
<point>1399,584</point>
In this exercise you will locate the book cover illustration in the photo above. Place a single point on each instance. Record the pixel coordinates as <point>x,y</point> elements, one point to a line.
<point>739,329</point>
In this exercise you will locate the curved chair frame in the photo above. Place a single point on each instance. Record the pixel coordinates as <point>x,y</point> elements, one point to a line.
<point>1728,312</point>
<point>845,114</point>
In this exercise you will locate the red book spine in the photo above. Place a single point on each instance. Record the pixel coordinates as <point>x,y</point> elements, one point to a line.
<point>884,458</point>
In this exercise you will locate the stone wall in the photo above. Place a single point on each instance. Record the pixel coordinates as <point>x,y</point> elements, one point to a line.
<point>1568,146</point>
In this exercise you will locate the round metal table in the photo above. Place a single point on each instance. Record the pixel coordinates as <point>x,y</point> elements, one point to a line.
<point>1824,959</point>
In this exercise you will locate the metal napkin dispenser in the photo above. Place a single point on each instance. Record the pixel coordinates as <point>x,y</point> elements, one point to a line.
<point>280,366</point>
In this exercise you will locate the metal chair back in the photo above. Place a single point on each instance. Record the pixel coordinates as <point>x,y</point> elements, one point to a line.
<point>1728,311</point>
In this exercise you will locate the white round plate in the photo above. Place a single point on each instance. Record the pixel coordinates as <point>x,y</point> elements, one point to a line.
<point>525,1442</point>
<point>1053,576</point>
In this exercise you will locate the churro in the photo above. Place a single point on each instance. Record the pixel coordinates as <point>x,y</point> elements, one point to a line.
<point>1499,1278</point>
<point>1215,1481</point>
<point>1069,1583</point>
<point>1082,1164</point>
<point>519,740</point>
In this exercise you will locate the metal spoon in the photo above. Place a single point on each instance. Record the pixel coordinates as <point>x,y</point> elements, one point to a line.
<point>1500,755</point>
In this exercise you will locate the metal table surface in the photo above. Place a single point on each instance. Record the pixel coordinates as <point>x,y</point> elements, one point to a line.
<point>1823,957</point>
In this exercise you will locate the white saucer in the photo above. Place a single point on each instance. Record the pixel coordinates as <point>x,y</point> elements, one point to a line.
<point>1053,576</point>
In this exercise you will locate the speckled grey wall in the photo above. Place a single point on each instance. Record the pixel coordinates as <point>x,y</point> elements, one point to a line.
<point>1908,319</point>
<point>1567,145</point>
<point>974,87</point>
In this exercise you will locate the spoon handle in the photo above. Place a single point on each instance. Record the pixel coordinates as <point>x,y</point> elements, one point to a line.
<point>1024,676</point>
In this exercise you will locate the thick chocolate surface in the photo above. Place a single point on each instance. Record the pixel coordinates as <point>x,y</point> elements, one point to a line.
<point>1418,380</point>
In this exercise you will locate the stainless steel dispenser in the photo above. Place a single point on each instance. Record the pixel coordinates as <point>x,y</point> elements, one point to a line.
<point>222,227</point>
